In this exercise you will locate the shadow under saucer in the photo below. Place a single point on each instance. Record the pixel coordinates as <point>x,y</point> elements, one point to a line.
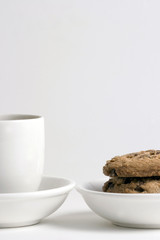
<point>83,221</point>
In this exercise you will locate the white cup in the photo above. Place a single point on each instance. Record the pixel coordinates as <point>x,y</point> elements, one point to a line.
<point>21,152</point>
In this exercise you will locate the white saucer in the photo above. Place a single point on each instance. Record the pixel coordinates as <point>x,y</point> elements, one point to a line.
<point>129,210</point>
<point>22,209</point>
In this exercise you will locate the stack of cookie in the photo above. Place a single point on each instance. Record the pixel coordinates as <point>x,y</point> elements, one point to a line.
<point>133,173</point>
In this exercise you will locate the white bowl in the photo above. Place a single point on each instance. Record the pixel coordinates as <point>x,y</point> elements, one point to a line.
<point>129,210</point>
<point>21,209</point>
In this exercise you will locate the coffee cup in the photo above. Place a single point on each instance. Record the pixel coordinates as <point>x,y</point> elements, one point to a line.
<point>21,152</point>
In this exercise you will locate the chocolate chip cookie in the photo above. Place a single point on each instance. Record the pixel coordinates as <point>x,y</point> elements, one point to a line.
<point>132,185</point>
<point>139,164</point>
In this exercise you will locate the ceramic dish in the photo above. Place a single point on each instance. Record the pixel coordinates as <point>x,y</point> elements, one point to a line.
<point>21,209</point>
<point>129,210</point>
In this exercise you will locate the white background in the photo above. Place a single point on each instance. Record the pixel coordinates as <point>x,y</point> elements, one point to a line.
<point>91,68</point>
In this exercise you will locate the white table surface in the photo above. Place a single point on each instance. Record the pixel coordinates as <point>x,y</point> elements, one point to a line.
<point>74,220</point>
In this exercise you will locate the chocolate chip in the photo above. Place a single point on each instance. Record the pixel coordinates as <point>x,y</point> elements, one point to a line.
<point>113,173</point>
<point>139,189</point>
<point>152,153</point>
<point>110,185</point>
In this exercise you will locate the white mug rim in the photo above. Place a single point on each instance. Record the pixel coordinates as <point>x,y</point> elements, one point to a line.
<point>18,117</point>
